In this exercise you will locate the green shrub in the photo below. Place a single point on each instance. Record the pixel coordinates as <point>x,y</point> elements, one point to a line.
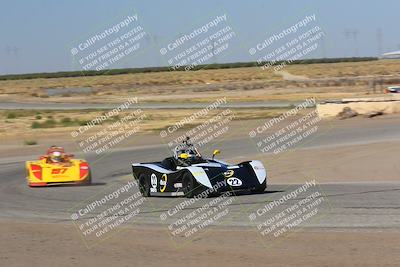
<point>49,123</point>
<point>30,142</point>
<point>82,123</point>
<point>35,125</point>
<point>11,115</point>
<point>67,122</point>
<point>38,117</point>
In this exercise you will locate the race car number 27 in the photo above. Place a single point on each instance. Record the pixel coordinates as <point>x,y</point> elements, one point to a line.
<point>59,171</point>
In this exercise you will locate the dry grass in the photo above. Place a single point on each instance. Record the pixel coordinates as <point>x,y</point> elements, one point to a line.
<point>350,69</point>
<point>154,120</point>
<point>241,84</point>
<point>127,81</point>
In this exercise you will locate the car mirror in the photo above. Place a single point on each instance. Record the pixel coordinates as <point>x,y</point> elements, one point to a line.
<point>216,152</point>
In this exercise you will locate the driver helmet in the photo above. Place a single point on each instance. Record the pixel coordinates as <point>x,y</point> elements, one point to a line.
<point>56,156</point>
<point>186,147</point>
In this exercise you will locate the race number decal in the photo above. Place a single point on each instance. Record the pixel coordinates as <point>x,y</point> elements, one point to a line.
<point>59,171</point>
<point>233,181</point>
<point>153,179</point>
<point>163,182</point>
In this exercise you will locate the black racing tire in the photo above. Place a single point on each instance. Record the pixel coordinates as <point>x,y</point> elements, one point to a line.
<point>260,188</point>
<point>89,179</point>
<point>144,185</point>
<point>188,185</point>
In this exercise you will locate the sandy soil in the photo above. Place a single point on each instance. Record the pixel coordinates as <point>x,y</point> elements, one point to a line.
<point>34,245</point>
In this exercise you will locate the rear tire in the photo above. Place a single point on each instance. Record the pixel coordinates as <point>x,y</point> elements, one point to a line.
<point>88,180</point>
<point>188,185</point>
<point>144,185</point>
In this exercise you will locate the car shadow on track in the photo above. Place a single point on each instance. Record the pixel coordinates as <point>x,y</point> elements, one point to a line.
<point>234,194</point>
<point>247,193</point>
<point>91,184</point>
<point>74,185</point>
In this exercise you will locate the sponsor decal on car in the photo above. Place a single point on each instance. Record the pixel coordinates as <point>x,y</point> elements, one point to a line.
<point>178,185</point>
<point>229,173</point>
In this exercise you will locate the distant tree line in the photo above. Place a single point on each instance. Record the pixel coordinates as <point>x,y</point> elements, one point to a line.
<point>64,74</point>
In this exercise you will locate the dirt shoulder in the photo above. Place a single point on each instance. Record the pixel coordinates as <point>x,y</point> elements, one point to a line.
<point>59,244</point>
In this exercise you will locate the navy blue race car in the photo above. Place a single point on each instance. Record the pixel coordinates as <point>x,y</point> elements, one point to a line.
<point>189,174</point>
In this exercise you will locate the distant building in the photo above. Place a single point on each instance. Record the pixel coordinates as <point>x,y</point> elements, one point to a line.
<point>395,54</point>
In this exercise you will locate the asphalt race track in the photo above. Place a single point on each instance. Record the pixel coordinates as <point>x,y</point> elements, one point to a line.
<point>87,106</point>
<point>348,205</point>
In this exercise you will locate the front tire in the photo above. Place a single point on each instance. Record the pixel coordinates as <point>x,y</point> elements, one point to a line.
<point>144,185</point>
<point>260,188</point>
<point>188,185</point>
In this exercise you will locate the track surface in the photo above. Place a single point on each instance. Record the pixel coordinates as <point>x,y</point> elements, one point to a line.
<point>85,106</point>
<point>349,205</point>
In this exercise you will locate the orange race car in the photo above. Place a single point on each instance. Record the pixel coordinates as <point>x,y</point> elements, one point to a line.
<point>57,168</point>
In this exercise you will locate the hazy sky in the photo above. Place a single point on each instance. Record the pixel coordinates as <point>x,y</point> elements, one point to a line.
<point>38,35</point>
